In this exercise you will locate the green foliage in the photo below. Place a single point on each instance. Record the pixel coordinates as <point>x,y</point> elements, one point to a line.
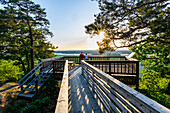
<point>37,106</point>
<point>9,71</point>
<point>144,26</point>
<point>131,22</point>
<point>23,33</point>
<point>15,106</point>
<point>52,85</point>
<point>160,95</point>
<point>156,69</point>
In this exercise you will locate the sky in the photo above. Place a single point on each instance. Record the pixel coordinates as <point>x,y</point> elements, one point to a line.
<point>67,20</point>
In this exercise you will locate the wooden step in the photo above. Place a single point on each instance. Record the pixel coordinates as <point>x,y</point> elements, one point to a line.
<point>27,95</point>
<point>29,89</point>
<point>47,76</point>
<point>38,84</point>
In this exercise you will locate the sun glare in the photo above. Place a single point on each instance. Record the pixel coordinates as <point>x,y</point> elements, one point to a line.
<point>101,35</point>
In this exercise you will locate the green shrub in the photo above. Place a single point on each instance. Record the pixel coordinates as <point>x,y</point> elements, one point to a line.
<point>37,106</point>
<point>9,71</point>
<point>15,106</point>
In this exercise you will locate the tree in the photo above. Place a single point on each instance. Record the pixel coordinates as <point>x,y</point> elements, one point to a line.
<point>132,22</point>
<point>24,32</point>
<point>144,26</point>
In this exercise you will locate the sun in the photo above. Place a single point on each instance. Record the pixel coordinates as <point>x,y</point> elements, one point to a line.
<point>101,34</point>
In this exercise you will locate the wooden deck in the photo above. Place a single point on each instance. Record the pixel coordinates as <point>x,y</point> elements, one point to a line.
<point>89,89</point>
<point>81,97</point>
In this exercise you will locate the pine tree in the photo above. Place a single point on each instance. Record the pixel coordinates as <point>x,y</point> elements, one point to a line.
<point>24,32</point>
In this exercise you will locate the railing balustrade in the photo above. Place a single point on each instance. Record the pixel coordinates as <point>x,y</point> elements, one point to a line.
<point>125,71</point>
<point>77,60</point>
<point>116,96</point>
<point>62,102</point>
<point>47,62</point>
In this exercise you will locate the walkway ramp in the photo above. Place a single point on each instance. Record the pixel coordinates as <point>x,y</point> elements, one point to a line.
<point>82,99</point>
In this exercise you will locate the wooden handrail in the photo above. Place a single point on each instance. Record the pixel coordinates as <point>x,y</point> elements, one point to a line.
<point>37,80</point>
<point>51,59</point>
<point>29,72</point>
<point>77,60</point>
<point>116,61</point>
<point>111,91</point>
<point>29,77</point>
<point>62,102</point>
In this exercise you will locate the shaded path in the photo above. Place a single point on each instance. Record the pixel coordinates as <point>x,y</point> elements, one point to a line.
<point>7,92</point>
<point>7,87</point>
<point>81,97</point>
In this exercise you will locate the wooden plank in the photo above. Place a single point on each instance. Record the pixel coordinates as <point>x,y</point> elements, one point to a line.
<point>100,96</point>
<point>144,103</point>
<point>29,89</point>
<point>51,59</point>
<point>62,103</point>
<point>96,96</point>
<point>112,97</point>
<point>103,98</point>
<point>81,98</point>
<point>119,96</point>
<point>29,77</point>
<point>27,95</point>
<point>29,73</point>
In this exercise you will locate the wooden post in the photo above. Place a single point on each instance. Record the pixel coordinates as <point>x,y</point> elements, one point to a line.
<point>21,87</point>
<point>109,68</point>
<point>83,69</point>
<point>114,67</point>
<point>36,86</point>
<point>125,67</point>
<point>53,67</point>
<point>121,67</point>
<point>137,75</point>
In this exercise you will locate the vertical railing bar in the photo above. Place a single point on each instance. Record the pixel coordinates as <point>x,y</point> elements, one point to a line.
<point>102,66</point>
<point>125,67</point>
<point>117,67</point>
<point>132,68</point>
<point>114,68</point>
<point>137,75</point>
<point>128,67</point>
<point>121,67</point>
<point>99,65</point>
<point>109,68</point>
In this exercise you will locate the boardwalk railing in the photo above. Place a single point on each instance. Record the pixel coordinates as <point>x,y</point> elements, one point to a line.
<point>40,73</point>
<point>116,96</point>
<point>62,102</point>
<point>46,62</point>
<point>126,71</point>
<point>58,66</point>
<point>76,58</point>
<point>29,76</point>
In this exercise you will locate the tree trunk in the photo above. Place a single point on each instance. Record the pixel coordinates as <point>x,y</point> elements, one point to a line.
<point>28,63</point>
<point>32,45</point>
<point>23,65</point>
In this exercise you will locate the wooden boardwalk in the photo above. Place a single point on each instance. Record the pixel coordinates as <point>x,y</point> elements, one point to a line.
<point>81,97</point>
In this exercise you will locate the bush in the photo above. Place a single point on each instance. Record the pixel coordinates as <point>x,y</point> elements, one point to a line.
<point>9,71</point>
<point>37,106</point>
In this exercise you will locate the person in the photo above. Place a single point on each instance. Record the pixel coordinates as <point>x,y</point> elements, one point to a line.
<point>86,57</point>
<point>81,56</point>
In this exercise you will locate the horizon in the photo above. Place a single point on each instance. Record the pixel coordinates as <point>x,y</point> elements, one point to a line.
<point>89,50</point>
